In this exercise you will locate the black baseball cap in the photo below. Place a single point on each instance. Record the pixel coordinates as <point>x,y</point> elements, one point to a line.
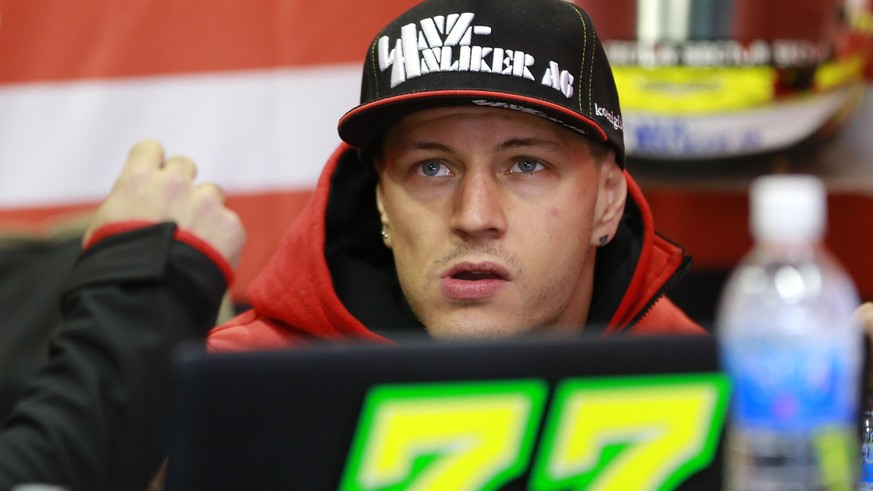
<point>541,57</point>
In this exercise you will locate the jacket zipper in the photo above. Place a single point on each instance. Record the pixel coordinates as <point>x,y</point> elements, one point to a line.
<point>675,278</point>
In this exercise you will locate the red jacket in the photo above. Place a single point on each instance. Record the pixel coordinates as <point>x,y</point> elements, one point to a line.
<point>298,296</point>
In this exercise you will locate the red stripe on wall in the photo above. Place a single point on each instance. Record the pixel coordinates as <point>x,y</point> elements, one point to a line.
<point>50,40</point>
<point>713,228</point>
<point>266,217</point>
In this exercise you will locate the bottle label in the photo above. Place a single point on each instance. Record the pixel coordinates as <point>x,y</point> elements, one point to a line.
<point>792,388</point>
<point>865,478</point>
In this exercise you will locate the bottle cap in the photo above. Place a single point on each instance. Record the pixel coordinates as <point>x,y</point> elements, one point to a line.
<point>788,208</point>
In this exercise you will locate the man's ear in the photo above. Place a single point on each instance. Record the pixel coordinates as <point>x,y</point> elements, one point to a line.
<point>383,216</point>
<point>611,197</point>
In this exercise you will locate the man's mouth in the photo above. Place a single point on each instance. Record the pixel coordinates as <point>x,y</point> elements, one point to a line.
<point>476,275</point>
<point>472,281</point>
<point>470,271</point>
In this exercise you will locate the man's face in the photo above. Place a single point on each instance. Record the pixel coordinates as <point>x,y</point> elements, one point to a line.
<point>492,217</point>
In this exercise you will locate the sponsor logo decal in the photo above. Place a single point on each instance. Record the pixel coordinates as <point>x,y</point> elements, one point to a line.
<point>694,139</point>
<point>609,116</point>
<point>445,43</point>
<point>455,43</point>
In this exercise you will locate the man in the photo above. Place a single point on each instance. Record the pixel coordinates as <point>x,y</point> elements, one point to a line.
<point>157,261</point>
<point>482,194</point>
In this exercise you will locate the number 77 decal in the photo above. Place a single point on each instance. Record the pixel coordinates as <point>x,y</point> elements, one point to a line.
<point>464,436</point>
<point>617,433</point>
<point>640,433</point>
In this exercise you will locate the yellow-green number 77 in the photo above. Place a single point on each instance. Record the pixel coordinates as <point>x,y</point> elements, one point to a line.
<point>641,433</point>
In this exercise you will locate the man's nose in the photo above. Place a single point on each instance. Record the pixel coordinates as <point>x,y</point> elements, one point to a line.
<point>479,207</point>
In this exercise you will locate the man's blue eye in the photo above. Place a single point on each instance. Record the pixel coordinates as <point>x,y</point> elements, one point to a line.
<point>526,165</point>
<point>433,168</point>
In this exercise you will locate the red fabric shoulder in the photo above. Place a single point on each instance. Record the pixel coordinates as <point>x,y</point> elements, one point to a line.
<point>249,331</point>
<point>666,318</point>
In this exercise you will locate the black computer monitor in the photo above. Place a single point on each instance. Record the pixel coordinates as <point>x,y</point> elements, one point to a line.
<point>523,414</point>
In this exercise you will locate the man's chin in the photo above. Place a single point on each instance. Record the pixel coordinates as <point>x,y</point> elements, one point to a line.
<point>467,330</point>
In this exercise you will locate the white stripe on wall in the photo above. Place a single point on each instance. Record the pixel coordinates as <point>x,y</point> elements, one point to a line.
<point>249,131</point>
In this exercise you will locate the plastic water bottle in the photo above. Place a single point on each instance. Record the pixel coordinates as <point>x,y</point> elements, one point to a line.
<point>865,480</point>
<point>792,349</point>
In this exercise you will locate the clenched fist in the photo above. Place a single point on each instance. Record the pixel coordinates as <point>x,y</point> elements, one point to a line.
<point>157,190</point>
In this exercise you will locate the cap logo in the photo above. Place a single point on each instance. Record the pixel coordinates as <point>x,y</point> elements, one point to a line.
<point>609,115</point>
<point>445,44</point>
